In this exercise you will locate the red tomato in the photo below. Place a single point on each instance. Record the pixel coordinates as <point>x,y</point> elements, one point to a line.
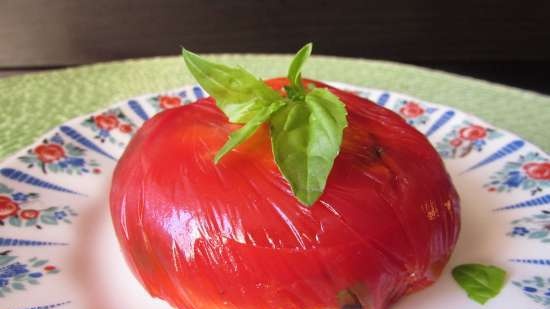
<point>232,235</point>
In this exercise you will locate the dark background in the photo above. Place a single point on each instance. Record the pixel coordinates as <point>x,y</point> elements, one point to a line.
<point>502,41</point>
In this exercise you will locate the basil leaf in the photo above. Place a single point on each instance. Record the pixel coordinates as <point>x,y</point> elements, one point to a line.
<point>240,135</point>
<point>481,282</point>
<point>306,138</point>
<point>296,65</point>
<point>306,126</point>
<point>238,93</point>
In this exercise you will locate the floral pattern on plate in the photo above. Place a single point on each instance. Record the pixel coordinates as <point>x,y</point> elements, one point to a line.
<point>166,101</point>
<point>536,226</point>
<point>537,288</point>
<point>530,172</point>
<point>415,113</point>
<point>56,155</point>
<point>106,123</point>
<point>464,138</point>
<point>16,275</point>
<point>15,210</point>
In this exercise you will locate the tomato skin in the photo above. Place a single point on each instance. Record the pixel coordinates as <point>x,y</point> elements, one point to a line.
<point>232,235</point>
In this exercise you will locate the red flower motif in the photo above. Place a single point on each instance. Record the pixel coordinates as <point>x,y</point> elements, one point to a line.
<point>106,122</point>
<point>29,214</point>
<point>473,132</point>
<point>456,142</point>
<point>96,171</point>
<point>166,102</point>
<point>411,110</point>
<point>125,128</point>
<point>49,268</point>
<point>7,207</point>
<point>538,171</point>
<point>49,153</point>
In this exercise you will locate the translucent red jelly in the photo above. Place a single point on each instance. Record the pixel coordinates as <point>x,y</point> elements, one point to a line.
<point>232,235</point>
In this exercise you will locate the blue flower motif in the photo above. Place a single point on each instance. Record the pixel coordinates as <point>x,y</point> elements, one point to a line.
<point>57,139</point>
<point>63,164</point>
<point>478,144</point>
<point>74,161</point>
<point>59,215</point>
<point>520,231</point>
<point>35,275</point>
<point>103,133</point>
<point>514,179</point>
<point>13,270</point>
<point>3,282</point>
<point>19,197</point>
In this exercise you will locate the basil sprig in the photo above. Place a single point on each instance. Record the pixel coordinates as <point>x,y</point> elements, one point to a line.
<point>306,125</point>
<point>480,282</point>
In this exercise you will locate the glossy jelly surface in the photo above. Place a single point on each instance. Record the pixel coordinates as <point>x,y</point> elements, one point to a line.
<point>233,236</point>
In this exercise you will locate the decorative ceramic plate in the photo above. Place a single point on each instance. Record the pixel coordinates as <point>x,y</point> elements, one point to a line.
<point>58,247</point>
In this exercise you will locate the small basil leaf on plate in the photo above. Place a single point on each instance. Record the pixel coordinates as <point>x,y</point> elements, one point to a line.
<point>240,135</point>
<point>238,93</point>
<point>481,282</point>
<point>306,138</point>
